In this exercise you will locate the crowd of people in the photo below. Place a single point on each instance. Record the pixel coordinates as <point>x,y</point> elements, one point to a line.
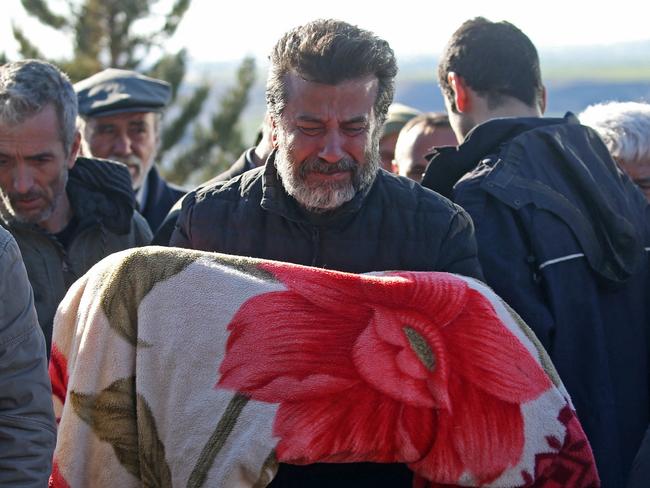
<point>551,213</point>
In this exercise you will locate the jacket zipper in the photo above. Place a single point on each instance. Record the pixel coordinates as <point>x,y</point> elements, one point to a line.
<point>315,235</point>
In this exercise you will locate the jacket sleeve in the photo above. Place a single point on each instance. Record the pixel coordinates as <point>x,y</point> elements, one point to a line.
<point>27,426</point>
<point>141,232</point>
<point>459,253</point>
<point>182,235</point>
<point>507,259</point>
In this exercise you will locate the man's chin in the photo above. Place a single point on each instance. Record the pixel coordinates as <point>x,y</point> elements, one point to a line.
<point>34,217</point>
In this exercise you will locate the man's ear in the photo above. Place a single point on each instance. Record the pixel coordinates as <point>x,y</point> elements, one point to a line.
<point>461,92</point>
<point>542,102</point>
<point>274,132</point>
<point>74,149</point>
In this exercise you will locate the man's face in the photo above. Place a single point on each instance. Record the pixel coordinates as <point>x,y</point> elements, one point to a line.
<point>327,139</point>
<point>130,138</point>
<point>387,150</point>
<point>639,173</point>
<point>34,169</point>
<point>413,145</point>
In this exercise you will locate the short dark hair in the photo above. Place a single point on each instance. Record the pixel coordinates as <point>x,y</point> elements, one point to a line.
<point>495,59</point>
<point>330,52</point>
<point>428,119</point>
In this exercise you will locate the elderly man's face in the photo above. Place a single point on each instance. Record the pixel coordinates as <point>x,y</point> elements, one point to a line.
<point>130,138</point>
<point>327,141</point>
<point>34,170</point>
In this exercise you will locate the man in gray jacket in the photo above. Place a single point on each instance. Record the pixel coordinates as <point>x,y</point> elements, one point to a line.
<point>65,212</point>
<point>27,428</point>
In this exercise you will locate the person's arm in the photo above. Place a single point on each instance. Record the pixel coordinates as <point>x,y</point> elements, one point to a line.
<point>458,253</point>
<point>507,259</point>
<point>181,236</point>
<point>27,425</point>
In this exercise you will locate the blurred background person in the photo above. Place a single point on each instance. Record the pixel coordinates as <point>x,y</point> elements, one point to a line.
<point>625,129</point>
<point>398,115</point>
<point>416,139</point>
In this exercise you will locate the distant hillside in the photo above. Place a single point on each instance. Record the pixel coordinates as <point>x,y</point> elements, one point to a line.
<point>574,76</point>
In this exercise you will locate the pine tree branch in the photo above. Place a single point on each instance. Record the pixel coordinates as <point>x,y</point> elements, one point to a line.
<point>189,111</point>
<point>27,49</point>
<point>175,16</point>
<point>171,68</point>
<point>40,10</point>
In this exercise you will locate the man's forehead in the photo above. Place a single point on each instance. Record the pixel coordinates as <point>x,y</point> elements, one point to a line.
<point>350,99</point>
<point>123,118</point>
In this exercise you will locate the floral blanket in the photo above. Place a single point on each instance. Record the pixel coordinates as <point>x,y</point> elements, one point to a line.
<point>182,368</point>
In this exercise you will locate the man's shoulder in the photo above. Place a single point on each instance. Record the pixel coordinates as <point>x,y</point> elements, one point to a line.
<point>405,194</point>
<point>243,186</point>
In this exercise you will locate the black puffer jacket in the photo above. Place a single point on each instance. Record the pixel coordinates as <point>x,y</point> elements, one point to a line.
<point>103,203</point>
<point>395,225</point>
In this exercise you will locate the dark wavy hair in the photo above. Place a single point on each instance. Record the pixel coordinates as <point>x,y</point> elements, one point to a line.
<point>330,52</point>
<point>495,59</point>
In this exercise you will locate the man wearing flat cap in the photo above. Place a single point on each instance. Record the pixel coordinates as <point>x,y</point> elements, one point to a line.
<point>122,110</point>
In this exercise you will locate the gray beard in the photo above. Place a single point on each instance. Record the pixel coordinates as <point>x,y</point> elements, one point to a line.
<point>9,211</point>
<point>328,195</point>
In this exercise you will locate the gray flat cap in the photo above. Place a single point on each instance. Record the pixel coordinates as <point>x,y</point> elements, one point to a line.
<point>115,91</point>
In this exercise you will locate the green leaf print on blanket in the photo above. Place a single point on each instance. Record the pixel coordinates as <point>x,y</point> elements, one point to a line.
<point>122,295</point>
<point>123,419</point>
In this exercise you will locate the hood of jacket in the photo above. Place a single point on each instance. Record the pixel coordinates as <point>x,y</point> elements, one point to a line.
<point>100,191</point>
<point>560,166</point>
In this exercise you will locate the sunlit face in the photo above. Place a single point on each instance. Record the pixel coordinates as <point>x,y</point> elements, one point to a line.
<point>327,139</point>
<point>413,145</point>
<point>130,138</point>
<point>34,170</point>
<point>639,172</point>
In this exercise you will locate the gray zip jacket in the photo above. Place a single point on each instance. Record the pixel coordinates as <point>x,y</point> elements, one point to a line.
<point>27,426</point>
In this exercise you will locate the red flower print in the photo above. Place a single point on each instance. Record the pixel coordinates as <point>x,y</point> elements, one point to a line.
<point>58,369</point>
<point>406,367</point>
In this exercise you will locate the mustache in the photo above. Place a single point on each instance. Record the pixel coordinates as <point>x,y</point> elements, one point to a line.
<point>317,165</point>
<point>19,197</point>
<point>131,160</point>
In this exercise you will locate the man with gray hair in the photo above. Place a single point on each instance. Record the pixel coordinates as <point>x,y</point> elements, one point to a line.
<point>624,127</point>
<point>65,212</point>
<point>321,199</point>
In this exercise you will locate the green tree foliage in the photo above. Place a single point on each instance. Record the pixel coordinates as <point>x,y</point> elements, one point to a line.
<point>217,146</point>
<point>110,33</point>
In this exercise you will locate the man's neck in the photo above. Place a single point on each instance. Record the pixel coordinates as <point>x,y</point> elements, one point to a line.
<point>60,218</point>
<point>511,107</point>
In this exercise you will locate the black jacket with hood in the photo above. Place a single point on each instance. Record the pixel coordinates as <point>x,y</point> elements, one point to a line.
<point>104,222</point>
<point>563,237</point>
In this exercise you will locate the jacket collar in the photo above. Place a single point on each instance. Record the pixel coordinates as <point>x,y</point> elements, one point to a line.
<point>275,199</point>
<point>447,165</point>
